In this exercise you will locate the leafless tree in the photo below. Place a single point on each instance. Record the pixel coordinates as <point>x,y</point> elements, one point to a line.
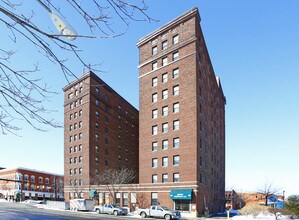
<point>268,190</point>
<point>22,93</point>
<point>113,180</point>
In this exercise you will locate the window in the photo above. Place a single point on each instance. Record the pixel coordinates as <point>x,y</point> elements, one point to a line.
<point>81,89</point>
<point>175,39</point>
<point>97,125</point>
<point>165,94</point>
<point>176,107</point>
<point>75,126</point>
<point>40,180</point>
<point>155,82</point>
<point>75,149</point>
<point>96,160</point>
<point>80,159</point>
<point>71,127</point>
<point>47,181</point>
<point>154,146</point>
<point>164,45</point>
<point>97,149</point>
<point>154,50</point>
<point>165,127</point>
<point>71,116</point>
<point>155,130</point>
<point>154,198</point>
<point>154,163</point>
<point>26,177</point>
<point>176,160</point>
<point>32,178</point>
<point>155,97</point>
<point>154,178</point>
<point>71,160</point>
<point>75,171</point>
<point>70,95</point>
<point>175,73</point>
<point>97,114</point>
<point>164,110</point>
<point>80,135</point>
<point>176,125</point>
<point>80,124</point>
<point>97,137</point>
<point>176,90</point>
<point>164,77</point>
<point>176,142</point>
<point>75,115</point>
<point>165,162</point>
<point>175,56</point>
<point>164,178</point>
<point>125,199</point>
<point>71,138</point>
<point>71,172</point>
<point>155,113</point>
<point>75,159</point>
<point>80,147</point>
<point>80,113</point>
<point>154,66</point>
<point>97,91</point>
<point>97,102</point>
<point>164,144</point>
<point>80,170</point>
<point>176,177</point>
<point>164,61</point>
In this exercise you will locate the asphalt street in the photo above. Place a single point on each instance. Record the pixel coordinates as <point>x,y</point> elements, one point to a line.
<point>23,211</point>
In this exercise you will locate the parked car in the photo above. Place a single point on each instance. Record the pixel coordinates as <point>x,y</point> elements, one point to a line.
<point>110,209</point>
<point>159,212</point>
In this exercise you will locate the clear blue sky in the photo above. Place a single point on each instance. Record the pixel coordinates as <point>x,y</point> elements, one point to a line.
<point>254,48</point>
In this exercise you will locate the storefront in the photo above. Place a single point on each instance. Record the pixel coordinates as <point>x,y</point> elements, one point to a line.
<point>182,199</point>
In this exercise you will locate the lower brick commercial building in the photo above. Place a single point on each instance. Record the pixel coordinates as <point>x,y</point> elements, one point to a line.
<point>179,145</point>
<point>23,183</point>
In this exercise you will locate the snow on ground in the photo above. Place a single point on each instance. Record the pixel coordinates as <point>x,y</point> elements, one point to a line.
<point>260,216</point>
<point>3,200</point>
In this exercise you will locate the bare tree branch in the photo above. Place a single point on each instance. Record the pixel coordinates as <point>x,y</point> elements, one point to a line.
<point>22,96</point>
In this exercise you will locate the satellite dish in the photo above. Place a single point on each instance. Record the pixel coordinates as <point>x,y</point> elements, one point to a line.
<point>63,26</point>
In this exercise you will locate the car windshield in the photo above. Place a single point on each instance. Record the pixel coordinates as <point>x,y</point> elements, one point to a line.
<point>115,206</point>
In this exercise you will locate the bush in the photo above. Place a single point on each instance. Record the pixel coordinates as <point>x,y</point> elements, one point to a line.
<point>254,210</point>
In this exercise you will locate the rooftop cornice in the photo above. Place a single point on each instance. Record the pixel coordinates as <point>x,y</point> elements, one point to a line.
<point>181,18</point>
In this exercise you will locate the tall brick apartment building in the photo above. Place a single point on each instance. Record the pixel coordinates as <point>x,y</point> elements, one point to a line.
<point>182,119</point>
<point>100,131</point>
<point>181,151</point>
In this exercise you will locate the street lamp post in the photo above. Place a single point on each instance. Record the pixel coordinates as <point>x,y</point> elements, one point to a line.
<point>60,23</point>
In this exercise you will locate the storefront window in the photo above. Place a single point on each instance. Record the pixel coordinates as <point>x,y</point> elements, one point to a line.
<point>182,205</point>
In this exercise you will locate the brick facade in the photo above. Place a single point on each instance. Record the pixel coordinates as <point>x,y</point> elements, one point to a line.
<point>31,184</point>
<point>198,124</point>
<point>101,131</point>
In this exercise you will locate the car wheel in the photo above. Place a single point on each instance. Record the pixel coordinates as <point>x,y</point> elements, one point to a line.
<point>115,212</point>
<point>167,217</point>
<point>143,214</point>
<point>98,211</point>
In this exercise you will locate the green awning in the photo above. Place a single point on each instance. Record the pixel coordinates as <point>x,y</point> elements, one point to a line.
<point>183,194</point>
<point>92,193</point>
